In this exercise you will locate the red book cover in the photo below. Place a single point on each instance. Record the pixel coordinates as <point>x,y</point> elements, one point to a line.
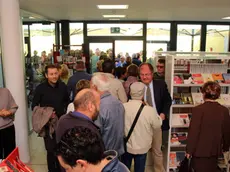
<point>197,78</point>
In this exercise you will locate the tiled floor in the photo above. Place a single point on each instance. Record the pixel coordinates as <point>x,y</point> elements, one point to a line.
<point>38,155</point>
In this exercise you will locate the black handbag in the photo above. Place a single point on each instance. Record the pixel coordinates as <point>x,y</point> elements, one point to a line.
<point>185,165</point>
<point>126,139</point>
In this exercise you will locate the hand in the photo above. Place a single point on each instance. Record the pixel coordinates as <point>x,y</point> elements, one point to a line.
<point>5,113</point>
<point>188,155</point>
<point>162,116</point>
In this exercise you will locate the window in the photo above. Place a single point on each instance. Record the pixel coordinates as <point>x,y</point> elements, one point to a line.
<point>42,37</point>
<point>188,38</point>
<point>217,38</point>
<point>158,31</point>
<point>76,33</point>
<point>115,29</point>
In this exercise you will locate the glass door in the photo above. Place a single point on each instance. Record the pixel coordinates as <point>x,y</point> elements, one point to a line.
<point>98,52</point>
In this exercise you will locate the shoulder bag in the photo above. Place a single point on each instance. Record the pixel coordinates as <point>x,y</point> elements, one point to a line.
<point>133,126</point>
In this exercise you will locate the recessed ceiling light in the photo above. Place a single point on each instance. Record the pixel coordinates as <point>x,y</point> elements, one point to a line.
<point>31,18</point>
<point>113,7</point>
<point>114,16</point>
<point>226,18</point>
<point>114,19</point>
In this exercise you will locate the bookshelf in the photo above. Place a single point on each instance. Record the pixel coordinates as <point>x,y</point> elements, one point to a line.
<point>190,63</point>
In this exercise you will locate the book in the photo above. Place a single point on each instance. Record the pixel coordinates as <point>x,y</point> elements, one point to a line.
<point>178,79</point>
<point>187,78</point>
<point>177,99</point>
<point>175,159</point>
<point>172,159</point>
<point>186,98</point>
<point>180,157</point>
<point>197,78</point>
<point>226,77</point>
<point>197,98</point>
<point>179,138</point>
<point>225,99</point>
<point>207,77</point>
<point>180,120</point>
<point>217,77</point>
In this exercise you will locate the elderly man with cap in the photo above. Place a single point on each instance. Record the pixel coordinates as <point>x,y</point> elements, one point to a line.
<point>148,122</point>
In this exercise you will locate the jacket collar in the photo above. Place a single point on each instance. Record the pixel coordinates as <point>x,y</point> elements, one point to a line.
<point>105,94</point>
<point>113,164</point>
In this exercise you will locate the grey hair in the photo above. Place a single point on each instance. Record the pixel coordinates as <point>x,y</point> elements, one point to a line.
<point>101,81</point>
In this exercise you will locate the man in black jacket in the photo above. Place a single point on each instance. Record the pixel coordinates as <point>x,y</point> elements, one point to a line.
<point>156,95</point>
<point>51,93</point>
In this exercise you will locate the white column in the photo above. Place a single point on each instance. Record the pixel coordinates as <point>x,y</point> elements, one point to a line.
<point>13,69</point>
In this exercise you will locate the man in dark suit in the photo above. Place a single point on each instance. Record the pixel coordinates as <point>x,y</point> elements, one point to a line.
<point>156,95</point>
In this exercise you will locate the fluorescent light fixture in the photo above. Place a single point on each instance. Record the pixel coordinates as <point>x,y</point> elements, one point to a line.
<point>226,18</point>
<point>118,7</point>
<point>114,19</point>
<point>114,16</point>
<point>31,18</point>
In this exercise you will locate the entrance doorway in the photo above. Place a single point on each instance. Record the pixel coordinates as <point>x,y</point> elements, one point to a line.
<point>114,48</point>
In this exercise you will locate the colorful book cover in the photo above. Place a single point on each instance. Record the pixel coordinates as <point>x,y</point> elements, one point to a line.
<point>180,157</point>
<point>226,77</point>
<point>217,77</point>
<point>207,77</point>
<point>179,138</point>
<point>180,120</point>
<point>178,79</point>
<point>197,78</point>
<point>197,98</point>
<point>172,159</point>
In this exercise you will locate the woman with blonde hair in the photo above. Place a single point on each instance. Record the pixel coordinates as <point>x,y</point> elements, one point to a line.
<point>64,73</point>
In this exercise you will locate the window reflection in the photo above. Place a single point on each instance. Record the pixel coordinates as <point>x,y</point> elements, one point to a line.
<point>158,31</point>
<point>115,29</point>
<point>42,38</point>
<point>76,33</point>
<point>188,37</point>
<point>217,38</point>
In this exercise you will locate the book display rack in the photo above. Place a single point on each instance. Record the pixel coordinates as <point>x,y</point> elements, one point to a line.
<point>185,74</point>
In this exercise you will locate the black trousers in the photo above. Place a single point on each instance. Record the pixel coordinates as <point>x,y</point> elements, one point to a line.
<point>7,141</point>
<point>52,161</point>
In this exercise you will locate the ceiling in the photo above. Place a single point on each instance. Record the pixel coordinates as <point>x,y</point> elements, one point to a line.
<point>193,10</point>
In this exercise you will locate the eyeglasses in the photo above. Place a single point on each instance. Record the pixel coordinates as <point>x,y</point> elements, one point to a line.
<point>158,66</point>
<point>146,74</point>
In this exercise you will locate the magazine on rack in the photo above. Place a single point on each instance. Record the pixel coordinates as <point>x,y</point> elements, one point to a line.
<point>180,120</point>
<point>207,77</point>
<point>175,158</point>
<point>197,78</point>
<point>178,138</point>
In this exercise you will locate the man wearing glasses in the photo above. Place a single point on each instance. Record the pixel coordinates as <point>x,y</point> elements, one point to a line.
<point>160,74</point>
<point>157,96</point>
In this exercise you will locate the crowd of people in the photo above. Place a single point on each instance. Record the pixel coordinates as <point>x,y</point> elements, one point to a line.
<point>104,121</point>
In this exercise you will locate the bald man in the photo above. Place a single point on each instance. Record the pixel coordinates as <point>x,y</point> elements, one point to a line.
<point>86,104</point>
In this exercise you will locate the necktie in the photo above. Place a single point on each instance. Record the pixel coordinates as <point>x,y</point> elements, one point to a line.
<point>149,96</point>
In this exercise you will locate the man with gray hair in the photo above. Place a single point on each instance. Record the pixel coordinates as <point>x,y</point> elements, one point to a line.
<point>149,122</point>
<point>111,115</point>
